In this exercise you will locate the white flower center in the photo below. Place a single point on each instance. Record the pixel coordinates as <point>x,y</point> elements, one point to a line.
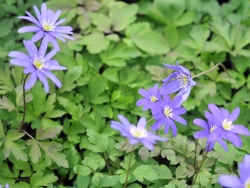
<point>183,80</point>
<point>168,112</point>
<point>153,98</point>
<point>38,62</point>
<point>227,125</point>
<point>47,26</point>
<point>212,128</point>
<point>247,183</point>
<point>138,132</point>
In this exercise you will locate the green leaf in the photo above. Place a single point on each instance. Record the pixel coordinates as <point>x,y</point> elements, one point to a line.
<point>102,22</point>
<point>6,25</point>
<point>16,149</point>
<point>35,152</point>
<point>82,181</point>
<point>5,103</point>
<point>163,172</point>
<point>180,171</point>
<point>37,179</point>
<point>99,142</point>
<point>145,39</point>
<point>72,156</point>
<point>96,42</point>
<point>111,74</point>
<point>14,135</point>
<point>185,19</point>
<point>71,76</point>
<point>50,132</point>
<point>51,150</point>
<point>82,170</point>
<point>109,181</point>
<point>145,171</point>
<point>122,16</point>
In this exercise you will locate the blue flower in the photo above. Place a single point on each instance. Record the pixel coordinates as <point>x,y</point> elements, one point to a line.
<point>37,64</point>
<point>151,97</point>
<point>6,186</point>
<point>167,112</point>
<point>179,80</point>
<point>136,134</point>
<point>243,181</point>
<point>47,26</point>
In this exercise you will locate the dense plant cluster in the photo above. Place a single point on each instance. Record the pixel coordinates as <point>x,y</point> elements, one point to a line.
<point>117,69</point>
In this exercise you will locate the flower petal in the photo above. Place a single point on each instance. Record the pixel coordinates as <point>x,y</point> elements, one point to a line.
<point>59,22</point>
<point>29,29</point>
<point>215,111</point>
<point>32,80</point>
<point>56,16</point>
<point>63,29</point>
<point>38,36</point>
<point>171,87</point>
<point>29,69</point>
<point>223,144</point>
<point>43,79</point>
<point>43,47</point>
<point>43,11</point>
<point>201,134</point>
<point>201,123</point>
<point>50,54</point>
<point>31,49</point>
<point>173,127</point>
<point>20,62</point>
<point>144,93</point>
<point>234,114</point>
<point>179,119</point>
<point>142,123</point>
<point>157,124</point>
<point>52,77</point>
<point>240,129</point>
<point>233,138</point>
<point>19,55</point>
<point>31,19</point>
<point>229,181</point>
<point>38,15</point>
<point>124,121</point>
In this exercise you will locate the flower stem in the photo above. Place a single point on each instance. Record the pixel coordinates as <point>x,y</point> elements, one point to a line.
<point>24,105</point>
<point>195,154</point>
<point>203,159</point>
<point>120,150</point>
<point>205,72</point>
<point>149,120</point>
<point>106,160</point>
<point>129,164</point>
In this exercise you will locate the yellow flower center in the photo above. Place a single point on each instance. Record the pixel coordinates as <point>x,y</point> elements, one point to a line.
<point>212,128</point>
<point>168,112</point>
<point>39,62</point>
<point>47,26</point>
<point>183,80</point>
<point>153,98</point>
<point>227,125</point>
<point>138,132</point>
<point>247,183</point>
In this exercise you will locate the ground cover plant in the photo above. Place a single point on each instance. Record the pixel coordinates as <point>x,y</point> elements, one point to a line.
<point>124,93</point>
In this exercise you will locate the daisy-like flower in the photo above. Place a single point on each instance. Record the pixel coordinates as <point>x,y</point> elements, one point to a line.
<point>167,112</point>
<point>224,120</point>
<point>151,97</point>
<point>179,80</point>
<point>136,134</point>
<point>6,186</point>
<point>47,26</point>
<point>37,64</point>
<point>211,132</point>
<point>243,181</point>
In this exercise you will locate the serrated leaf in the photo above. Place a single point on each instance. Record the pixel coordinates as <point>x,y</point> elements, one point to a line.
<point>38,179</point>
<point>16,149</point>
<point>82,170</point>
<point>145,171</point>
<point>99,142</point>
<point>14,135</point>
<point>5,103</point>
<point>163,172</point>
<point>35,152</point>
<point>180,171</point>
<point>50,132</point>
<point>108,181</point>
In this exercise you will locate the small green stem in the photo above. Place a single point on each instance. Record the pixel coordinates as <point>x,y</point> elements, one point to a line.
<point>24,105</point>
<point>120,150</point>
<point>205,72</point>
<point>28,135</point>
<point>106,160</point>
<point>129,164</point>
<point>195,154</point>
<point>203,159</point>
<point>149,120</point>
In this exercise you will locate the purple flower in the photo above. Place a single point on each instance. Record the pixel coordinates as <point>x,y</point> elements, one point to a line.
<point>136,133</point>
<point>224,120</point>
<point>210,132</point>
<point>151,97</point>
<point>6,186</point>
<point>47,26</point>
<point>243,181</point>
<point>37,64</point>
<point>179,80</point>
<point>166,112</point>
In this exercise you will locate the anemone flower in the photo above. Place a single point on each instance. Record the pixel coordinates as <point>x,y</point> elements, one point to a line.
<point>167,112</point>
<point>6,186</point>
<point>180,80</point>
<point>151,97</point>
<point>47,26</point>
<point>243,181</point>
<point>136,134</point>
<point>223,119</point>
<point>37,64</point>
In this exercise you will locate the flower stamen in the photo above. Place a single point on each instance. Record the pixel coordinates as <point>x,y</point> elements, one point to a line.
<point>168,112</point>
<point>153,98</point>
<point>227,125</point>
<point>47,26</point>
<point>38,62</point>
<point>212,128</point>
<point>138,132</point>
<point>183,80</point>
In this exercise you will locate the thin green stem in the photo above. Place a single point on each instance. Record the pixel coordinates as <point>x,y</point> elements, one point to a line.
<point>24,105</point>
<point>149,120</point>
<point>203,159</point>
<point>205,72</point>
<point>106,160</point>
<point>120,150</point>
<point>28,134</point>
<point>195,154</point>
<point>129,164</point>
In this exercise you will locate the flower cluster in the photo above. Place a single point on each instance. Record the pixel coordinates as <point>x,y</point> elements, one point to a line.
<point>220,126</point>
<point>165,111</point>
<point>37,63</point>
<point>230,181</point>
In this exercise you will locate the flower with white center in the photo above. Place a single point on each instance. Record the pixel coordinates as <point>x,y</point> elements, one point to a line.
<point>136,134</point>
<point>47,26</point>
<point>37,63</point>
<point>151,98</point>
<point>166,112</point>
<point>227,125</point>
<point>243,181</point>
